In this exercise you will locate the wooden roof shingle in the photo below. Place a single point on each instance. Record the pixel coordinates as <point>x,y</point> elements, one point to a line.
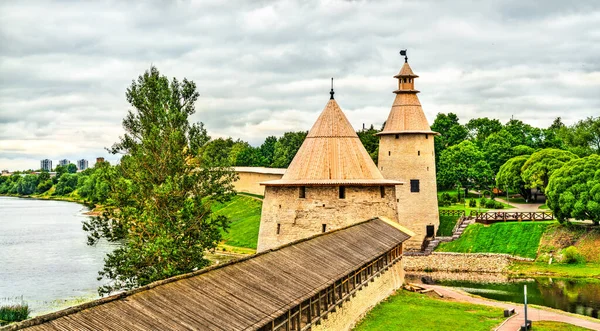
<point>240,295</point>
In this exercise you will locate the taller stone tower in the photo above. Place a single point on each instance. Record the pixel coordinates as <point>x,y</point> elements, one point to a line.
<point>406,154</point>
<point>331,183</point>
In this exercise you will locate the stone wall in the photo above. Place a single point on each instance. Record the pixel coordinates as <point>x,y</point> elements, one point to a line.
<point>454,262</point>
<point>249,182</point>
<point>411,156</point>
<point>286,217</point>
<point>346,317</point>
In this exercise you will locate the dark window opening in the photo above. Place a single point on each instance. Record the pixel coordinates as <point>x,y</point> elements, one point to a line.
<point>426,136</point>
<point>419,153</point>
<point>382,191</point>
<point>278,228</point>
<point>414,185</point>
<point>427,168</point>
<point>324,227</point>
<point>397,136</point>
<point>430,230</point>
<point>389,153</point>
<point>342,192</point>
<point>302,192</point>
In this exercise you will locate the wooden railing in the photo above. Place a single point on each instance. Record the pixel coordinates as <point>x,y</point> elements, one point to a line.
<point>494,217</point>
<point>452,212</point>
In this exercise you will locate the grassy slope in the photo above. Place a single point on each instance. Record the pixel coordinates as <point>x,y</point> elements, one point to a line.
<point>520,239</point>
<point>412,311</point>
<point>244,213</point>
<point>526,269</point>
<point>555,326</point>
<point>586,238</point>
<point>447,223</point>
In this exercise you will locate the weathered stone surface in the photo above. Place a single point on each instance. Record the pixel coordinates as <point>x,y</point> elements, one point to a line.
<point>455,262</point>
<point>346,317</point>
<point>249,182</point>
<point>299,218</point>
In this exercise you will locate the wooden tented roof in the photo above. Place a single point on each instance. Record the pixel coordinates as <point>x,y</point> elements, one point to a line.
<point>240,295</point>
<point>332,154</point>
<point>406,71</point>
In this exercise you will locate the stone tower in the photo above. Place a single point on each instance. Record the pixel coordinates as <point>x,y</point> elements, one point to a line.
<point>406,154</point>
<point>331,183</point>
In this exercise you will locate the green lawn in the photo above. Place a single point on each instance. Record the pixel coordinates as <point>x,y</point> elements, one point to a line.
<point>244,213</point>
<point>583,270</point>
<point>447,223</point>
<point>515,238</point>
<point>411,311</point>
<point>555,326</point>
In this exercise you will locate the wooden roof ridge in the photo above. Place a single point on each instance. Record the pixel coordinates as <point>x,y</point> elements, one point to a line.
<point>406,71</point>
<point>39,320</point>
<point>332,154</point>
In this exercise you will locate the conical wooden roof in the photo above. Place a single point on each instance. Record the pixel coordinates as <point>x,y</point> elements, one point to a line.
<point>332,154</point>
<point>406,115</point>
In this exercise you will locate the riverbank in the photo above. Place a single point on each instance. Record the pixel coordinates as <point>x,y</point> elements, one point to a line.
<point>95,211</point>
<point>562,270</point>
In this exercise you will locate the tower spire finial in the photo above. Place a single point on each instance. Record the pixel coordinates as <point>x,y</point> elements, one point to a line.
<point>331,92</point>
<point>403,53</point>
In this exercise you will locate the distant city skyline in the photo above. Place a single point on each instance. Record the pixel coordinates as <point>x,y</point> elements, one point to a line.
<point>264,68</point>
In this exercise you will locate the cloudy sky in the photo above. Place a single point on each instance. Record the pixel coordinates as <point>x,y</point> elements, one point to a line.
<point>263,67</point>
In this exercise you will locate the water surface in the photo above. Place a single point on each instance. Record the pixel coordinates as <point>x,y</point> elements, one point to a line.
<point>44,257</point>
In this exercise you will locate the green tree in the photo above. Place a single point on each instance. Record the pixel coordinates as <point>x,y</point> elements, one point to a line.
<point>370,141</point>
<point>481,128</point>
<point>71,168</point>
<point>217,152</point>
<point>27,185</point>
<point>287,147</point>
<point>498,148</point>
<point>463,164</point>
<point>267,151</point>
<point>452,133</point>
<point>574,190</point>
<point>43,176</point>
<point>509,176</point>
<point>160,202</point>
<point>66,184</point>
<point>539,167</point>
<point>44,186</point>
<point>60,170</point>
<point>584,136</point>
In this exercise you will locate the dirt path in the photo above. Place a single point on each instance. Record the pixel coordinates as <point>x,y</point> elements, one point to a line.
<point>514,322</point>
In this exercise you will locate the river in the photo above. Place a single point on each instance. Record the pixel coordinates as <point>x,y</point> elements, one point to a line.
<point>45,261</point>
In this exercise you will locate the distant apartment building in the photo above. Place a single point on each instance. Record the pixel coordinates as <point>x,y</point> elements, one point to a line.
<point>46,165</point>
<point>82,164</point>
<point>64,162</point>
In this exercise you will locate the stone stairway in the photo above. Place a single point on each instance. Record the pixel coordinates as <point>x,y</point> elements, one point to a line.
<point>456,233</point>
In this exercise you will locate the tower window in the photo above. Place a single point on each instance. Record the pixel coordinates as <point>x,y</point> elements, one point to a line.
<point>397,136</point>
<point>426,136</point>
<point>414,185</point>
<point>302,192</point>
<point>389,153</point>
<point>419,153</point>
<point>323,227</point>
<point>382,191</point>
<point>342,192</point>
<point>278,228</point>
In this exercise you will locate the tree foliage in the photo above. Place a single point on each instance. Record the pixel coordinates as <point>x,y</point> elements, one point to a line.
<point>464,164</point>
<point>574,190</point>
<point>160,202</point>
<point>539,167</point>
<point>287,147</point>
<point>509,176</point>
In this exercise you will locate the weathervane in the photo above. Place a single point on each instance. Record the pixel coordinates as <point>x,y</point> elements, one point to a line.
<point>332,93</point>
<point>403,53</point>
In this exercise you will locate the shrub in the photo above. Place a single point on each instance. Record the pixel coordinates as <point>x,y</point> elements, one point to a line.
<point>572,255</point>
<point>454,199</point>
<point>13,313</point>
<point>472,203</point>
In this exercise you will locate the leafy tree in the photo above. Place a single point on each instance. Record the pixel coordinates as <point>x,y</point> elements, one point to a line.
<point>539,167</point>
<point>238,148</point>
<point>44,186</point>
<point>66,184</point>
<point>574,190</point>
<point>60,170</point>
<point>71,168</point>
<point>217,152</point>
<point>287,147</point>
<point>43,176</point>
<point>481,128</point>
<point>370,141</point>
<point>267,151</point>
<point>249,157</point>
<point>452,133</point>
<point>160,202</point>
<point>498,148</point>
<point>584,136</point>
<point>522,150</point>
<point>509,176</point>
<point>27,185</point>
<point>463,164</point>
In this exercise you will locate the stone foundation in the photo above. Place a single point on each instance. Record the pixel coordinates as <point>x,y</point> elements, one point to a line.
<point>460,262</point>
<point>346,317</point>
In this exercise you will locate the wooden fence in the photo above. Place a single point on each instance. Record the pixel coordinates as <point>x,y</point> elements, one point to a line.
<point>494,217</point>
<point>451,212</point>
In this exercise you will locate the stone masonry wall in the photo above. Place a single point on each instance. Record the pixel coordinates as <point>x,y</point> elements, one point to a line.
<point>411,156</point>
<point>249,182</point>
<point>475,262</point>
<point>299,218</point>
<point>346,317</point>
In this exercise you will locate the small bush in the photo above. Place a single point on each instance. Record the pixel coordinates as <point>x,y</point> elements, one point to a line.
<point>454,199</point>
<point>482,202</point>
<point>490,204</point>
<point>13,313</point>
<point>472,203</point>
<point>572,255</point>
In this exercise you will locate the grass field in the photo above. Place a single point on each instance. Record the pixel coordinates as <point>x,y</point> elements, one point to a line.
<point>522,239</point>
<point>555,326</point>
<point>583,270</point>
<point>244,213</point>
<point>447,223</point>
<point>411,311</point>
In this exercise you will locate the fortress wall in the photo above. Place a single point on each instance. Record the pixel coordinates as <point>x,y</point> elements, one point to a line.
<point>303,217</point>
<point>249,182</point>
<point>346,317</point>
<point>411,156</point>
<point>461,262</point>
